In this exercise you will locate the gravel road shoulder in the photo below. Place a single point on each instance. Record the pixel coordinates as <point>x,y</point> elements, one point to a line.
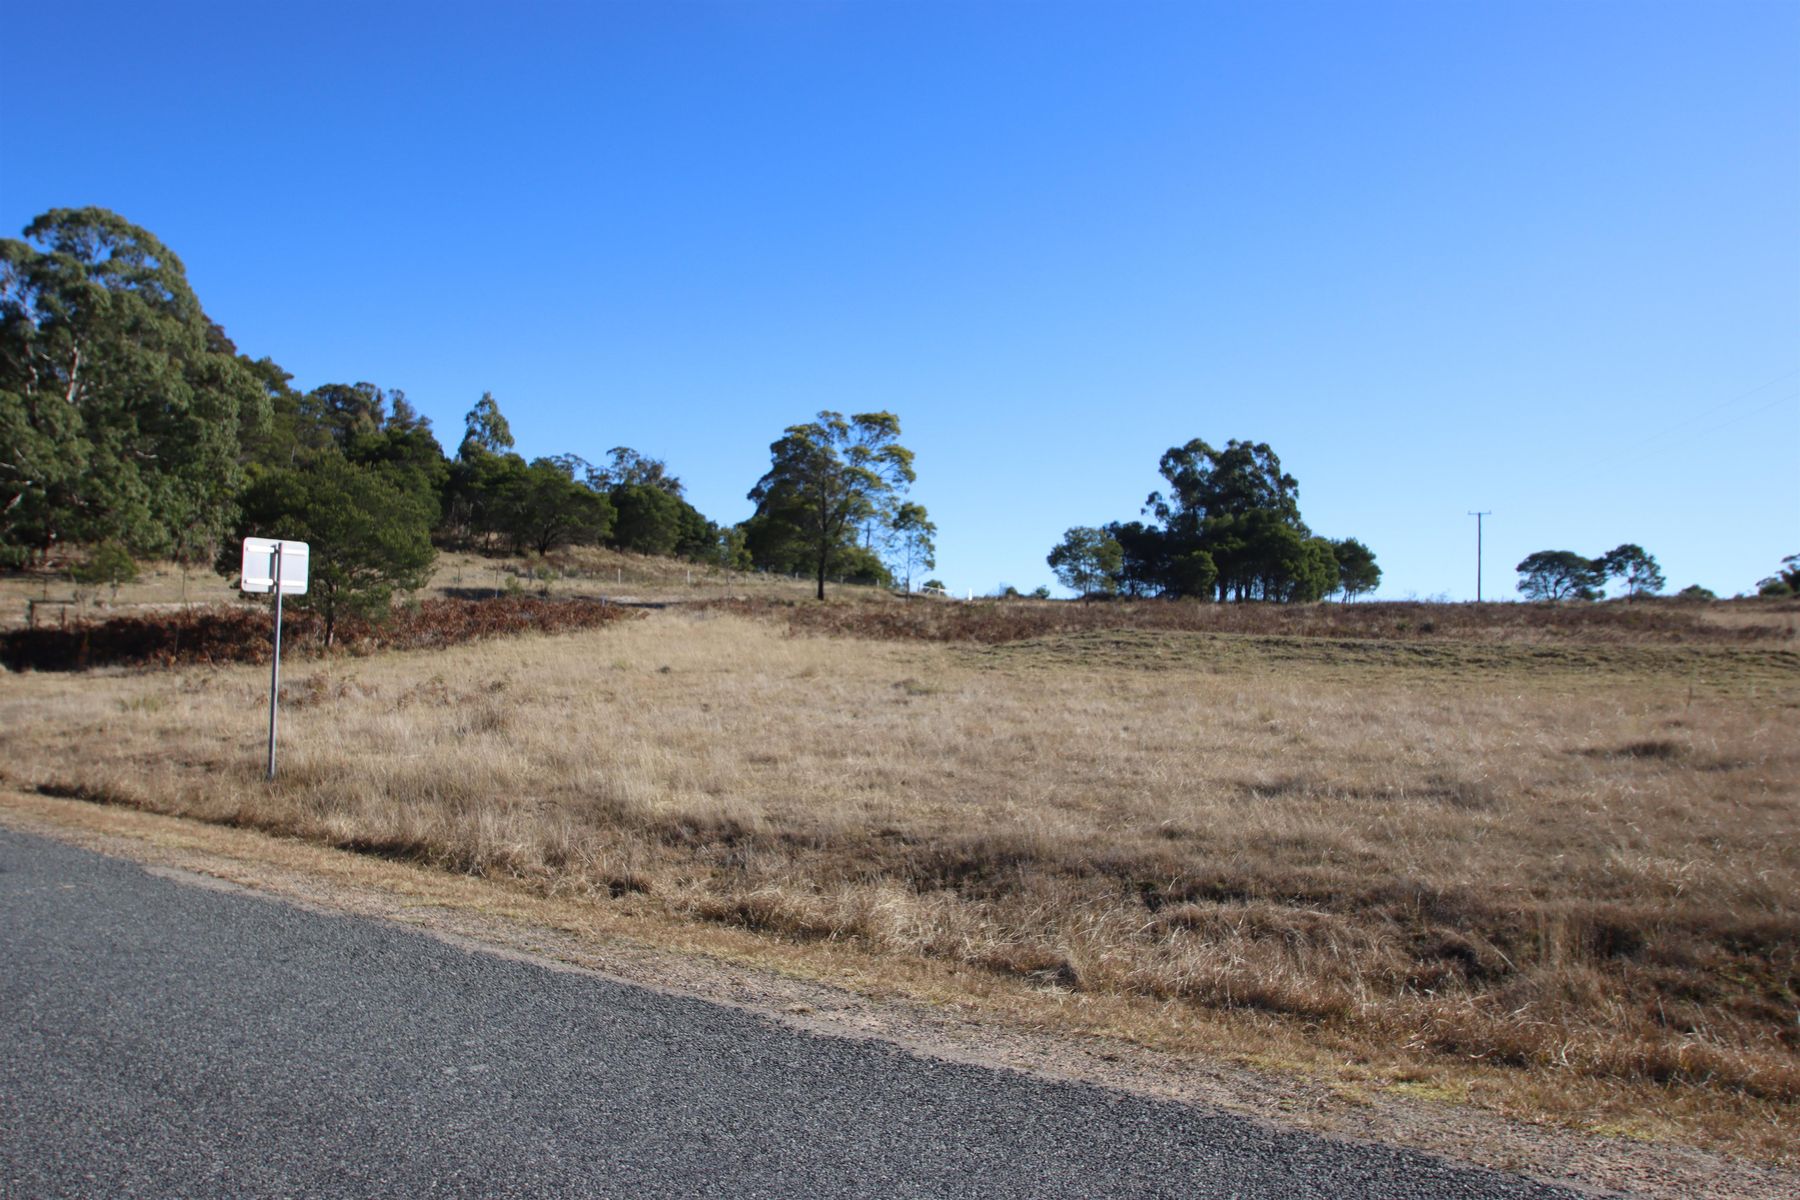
<point>481,915</point>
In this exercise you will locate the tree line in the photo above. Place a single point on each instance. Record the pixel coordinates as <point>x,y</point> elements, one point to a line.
<point>132,426</point>
<point>1566,575</point>
<point>1227,526</point>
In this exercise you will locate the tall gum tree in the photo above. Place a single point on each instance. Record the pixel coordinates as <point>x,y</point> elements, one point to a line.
<point>830,476</point>
<point>123,409</point>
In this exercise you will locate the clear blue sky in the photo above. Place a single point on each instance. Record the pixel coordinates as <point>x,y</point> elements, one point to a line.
<point>1542,259</point>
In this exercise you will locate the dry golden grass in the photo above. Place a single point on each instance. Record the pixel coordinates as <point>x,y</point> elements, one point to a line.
<point>593,571</point>
<point>573,572</point>
<point>1578,870</point>
<point>158,585</point>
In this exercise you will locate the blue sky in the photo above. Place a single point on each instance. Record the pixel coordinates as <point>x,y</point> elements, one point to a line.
<point>1541,259</point>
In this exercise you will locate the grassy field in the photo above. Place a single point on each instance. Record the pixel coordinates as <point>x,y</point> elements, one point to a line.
<point>585,572</point>
<point>1552,864</point>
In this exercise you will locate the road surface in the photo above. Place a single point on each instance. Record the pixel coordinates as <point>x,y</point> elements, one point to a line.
<point>163,1039</point>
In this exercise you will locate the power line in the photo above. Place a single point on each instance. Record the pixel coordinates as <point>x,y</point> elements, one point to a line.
<point>1685,422</point>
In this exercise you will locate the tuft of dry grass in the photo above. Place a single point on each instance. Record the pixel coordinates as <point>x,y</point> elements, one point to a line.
<point>1575,865</point>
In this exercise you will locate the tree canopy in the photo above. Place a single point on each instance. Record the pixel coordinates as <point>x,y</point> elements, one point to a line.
<point>1785,582</point>
<point>1357,572</point>
<point>1566,575</point>
<point>1087,560</point>
<point>914,548</point>
<point>1560,575</point>
<point>1228,527</point>
<point>826,478</point>
<point>1630,564</point>
<point>123,408</point>
<point>131,425</point>
<point>368,528</point>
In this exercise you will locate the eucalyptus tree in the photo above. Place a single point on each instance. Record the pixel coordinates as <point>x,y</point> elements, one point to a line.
<point>649,520</point>
<point>626,467</point>
<point>826,478</point>
<point>544,509</point>
<point>1087,560</point>
<point>484,428</point>
<point>368,528</point>
<point>123,408</point>
<point>1239,507</point>
<point>1632,565</point>
<point>1356,569</point>
<point>914,547</point>
<point>1560,575</point>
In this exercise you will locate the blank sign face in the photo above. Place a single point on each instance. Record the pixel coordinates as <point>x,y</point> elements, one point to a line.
<point>259,565</point>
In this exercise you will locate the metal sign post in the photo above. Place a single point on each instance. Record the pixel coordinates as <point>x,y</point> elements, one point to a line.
<point>280,567</point>
<point>275,665</point>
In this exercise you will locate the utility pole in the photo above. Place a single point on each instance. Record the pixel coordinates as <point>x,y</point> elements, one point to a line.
<point>1478,516</point>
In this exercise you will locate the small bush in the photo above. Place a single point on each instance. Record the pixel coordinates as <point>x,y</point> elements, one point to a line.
<point>109,565</point>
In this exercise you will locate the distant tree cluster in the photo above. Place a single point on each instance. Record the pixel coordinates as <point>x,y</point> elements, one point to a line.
<point>1565,575</point>
<point>1227,527</point>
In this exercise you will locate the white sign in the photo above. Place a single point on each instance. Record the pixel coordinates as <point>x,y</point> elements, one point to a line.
<point>259,565</point>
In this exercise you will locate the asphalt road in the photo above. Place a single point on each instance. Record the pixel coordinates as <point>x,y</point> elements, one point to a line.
<point>162,1039</point>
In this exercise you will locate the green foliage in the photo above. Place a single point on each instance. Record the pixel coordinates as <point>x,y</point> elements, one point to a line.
<point>1145,569</point>
<point>1191,573</point>
<point>109,563</point>
<point>1785,582</point>
<point>1229,525</point>
<point>627,468</point>
<point>126,416</point>
<point>1631,564</point>
<point>913,545</point>
<point>1087,560</point>
<point>826,479</point>
<point>1560,575</point>
<point>1356,569</point>
<point>369,529</point>
<point>541,508</point>
<point>1695,592</point>
<point>291,434</point>
<point>480,494</point>
<point>649,520</point>
<point>123,409</point>
<point>1040,592</point>
<point>733,550</point>
<point>485,429</point>
<point>700,539</point>
<point>345,410</point>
